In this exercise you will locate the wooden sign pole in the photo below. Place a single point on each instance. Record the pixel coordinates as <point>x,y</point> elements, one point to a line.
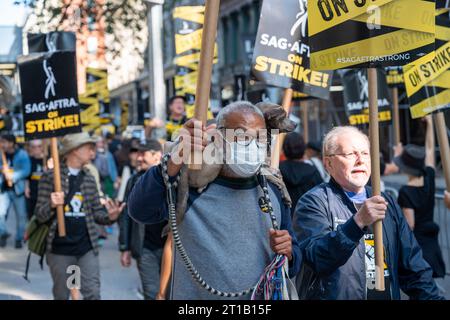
<point>395,115</point>
<point>205,71</point>
<point>57,185</point>
<point>276,150</point>
<point>441,130</point>
<point>375,177</point>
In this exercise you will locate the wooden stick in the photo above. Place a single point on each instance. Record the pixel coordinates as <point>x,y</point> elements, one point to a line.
<point>205,71</point>
<point>278,145</point>
<point>166,268</point>
<point>375,177</point>
<point>441,130</point>
<point>5,168</point>
<point>57,184</point>
<point>395,116</point>
<point>304,107</point>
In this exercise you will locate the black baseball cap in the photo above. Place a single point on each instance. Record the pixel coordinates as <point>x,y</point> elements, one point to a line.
<point>149,145</point>
<point>315,145</point>
<point>8,137</point>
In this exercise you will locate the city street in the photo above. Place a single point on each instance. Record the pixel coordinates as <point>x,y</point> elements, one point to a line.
<point>117,283</point>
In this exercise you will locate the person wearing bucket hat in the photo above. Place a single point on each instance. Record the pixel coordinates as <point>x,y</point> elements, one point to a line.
<point>417,197</point>
<point>82,210</point>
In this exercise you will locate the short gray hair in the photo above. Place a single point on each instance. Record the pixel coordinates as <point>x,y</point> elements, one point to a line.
<point>238,106</point>
<point>329,141</point>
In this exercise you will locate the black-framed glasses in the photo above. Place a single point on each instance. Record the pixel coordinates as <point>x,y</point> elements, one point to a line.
<point>352,155</point>
<point>244,138</point>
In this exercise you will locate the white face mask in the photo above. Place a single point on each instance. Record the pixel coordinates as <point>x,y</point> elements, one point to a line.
<point>245,161</point>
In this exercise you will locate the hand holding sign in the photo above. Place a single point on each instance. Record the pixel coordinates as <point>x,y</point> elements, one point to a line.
<point>57,199</point>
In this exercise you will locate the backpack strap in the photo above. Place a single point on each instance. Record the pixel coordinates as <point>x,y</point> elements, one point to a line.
<point>27,267</point>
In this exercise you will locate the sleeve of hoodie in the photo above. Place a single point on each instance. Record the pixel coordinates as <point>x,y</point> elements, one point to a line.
<point>147,199</point>
<point>124,221</point>
<point>323,248</point>
<point>415,274</point>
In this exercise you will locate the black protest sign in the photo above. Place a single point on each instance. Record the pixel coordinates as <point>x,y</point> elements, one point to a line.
<point>377,33</point>
<point>281,55</point>
<point>49,94</point>
<point>394,77</point>
<point>442,4</point>
<point>427,82</point>
<point>356,97</point>
<point>52,41</point>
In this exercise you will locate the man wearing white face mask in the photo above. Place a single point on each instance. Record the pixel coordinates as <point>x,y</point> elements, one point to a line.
<point>225,230</point>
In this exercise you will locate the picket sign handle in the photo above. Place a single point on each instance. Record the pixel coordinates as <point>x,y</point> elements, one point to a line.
<point>441,131</point>
<point>276,150</point>
<point>375,177</point>
<point>205,72</point>
<point>57,185</point>
<point>6,168</point>
<point>395,115</point>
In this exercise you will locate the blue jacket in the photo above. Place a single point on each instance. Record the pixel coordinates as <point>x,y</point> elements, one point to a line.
<point>22,168</point>
<point>147,204</point>
<point>334,251</point>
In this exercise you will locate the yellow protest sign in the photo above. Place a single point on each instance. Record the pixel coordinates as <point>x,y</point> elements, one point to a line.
<point>360,33</point>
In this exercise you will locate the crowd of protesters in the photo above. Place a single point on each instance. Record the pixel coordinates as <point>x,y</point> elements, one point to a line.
<point>321,202</point>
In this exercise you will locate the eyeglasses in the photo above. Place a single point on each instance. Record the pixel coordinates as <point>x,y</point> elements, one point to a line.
<point>245,139</point>
<point>352,155</point>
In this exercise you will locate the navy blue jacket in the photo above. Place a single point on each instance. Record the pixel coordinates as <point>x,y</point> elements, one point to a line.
<point>334,251</point>
<point>147,204</point>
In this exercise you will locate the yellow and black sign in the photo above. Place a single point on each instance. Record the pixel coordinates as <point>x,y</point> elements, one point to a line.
<point>282,56</point>
<point>188,40</point>
<point>363,33</point>
<point>356,97</point>
<point>49,94</point>
<point>428,80</point>
<point>95,100</point>
<point>394,76</point>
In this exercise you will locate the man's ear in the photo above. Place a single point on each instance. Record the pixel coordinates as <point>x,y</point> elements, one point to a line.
<point>327,163</point>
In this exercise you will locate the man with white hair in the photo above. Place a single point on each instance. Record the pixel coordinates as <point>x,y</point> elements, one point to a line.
<point>333,223</point>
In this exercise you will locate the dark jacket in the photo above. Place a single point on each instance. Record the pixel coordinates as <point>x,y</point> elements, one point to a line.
<point>95,212</point>
<point>131,233</point>
<point>334,251</point>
